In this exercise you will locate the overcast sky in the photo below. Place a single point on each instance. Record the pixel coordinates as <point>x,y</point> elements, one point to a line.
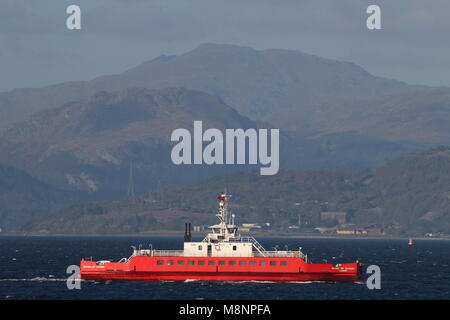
<point>36,49</point>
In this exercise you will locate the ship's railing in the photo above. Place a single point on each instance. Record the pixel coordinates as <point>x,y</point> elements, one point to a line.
<point>255,243</point>
<point>288,254</point>
<point>159,253</point>
<point>261,252</point>
<point>168,253</point>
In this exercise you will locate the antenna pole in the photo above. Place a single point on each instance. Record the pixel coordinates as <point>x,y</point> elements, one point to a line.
<point>130,181</point>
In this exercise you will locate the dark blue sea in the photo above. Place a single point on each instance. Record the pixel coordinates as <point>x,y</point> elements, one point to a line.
<point>35,268</point>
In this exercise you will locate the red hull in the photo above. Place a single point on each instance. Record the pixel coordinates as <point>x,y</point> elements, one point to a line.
<point>210,276</point>
<point>178,269</point>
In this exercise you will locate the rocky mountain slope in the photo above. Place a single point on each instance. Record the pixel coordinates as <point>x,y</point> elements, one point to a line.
<point>421,116</point>
<point>255,83</point>
<point>89,145</point>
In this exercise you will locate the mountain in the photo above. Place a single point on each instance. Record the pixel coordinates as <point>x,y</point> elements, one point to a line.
<point>256,83</point>
<point>407,196</point>
<point>290,89</point>
<point>414,191</point>
<point>23,197</point>
<point>420,117</point>
<point>87,136</point>
<point>90,145</point>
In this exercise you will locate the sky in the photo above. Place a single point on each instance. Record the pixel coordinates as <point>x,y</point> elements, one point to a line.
<point>37,49</point>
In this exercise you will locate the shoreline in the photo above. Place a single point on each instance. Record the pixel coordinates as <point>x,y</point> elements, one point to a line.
<point>197,234</point>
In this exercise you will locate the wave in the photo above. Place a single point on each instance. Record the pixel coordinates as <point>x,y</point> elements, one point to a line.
<point>191,280</point>
<point>40,279</point>
<point>399,262</point>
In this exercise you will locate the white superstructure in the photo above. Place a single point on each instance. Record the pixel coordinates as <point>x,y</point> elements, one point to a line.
<point>223,239</point>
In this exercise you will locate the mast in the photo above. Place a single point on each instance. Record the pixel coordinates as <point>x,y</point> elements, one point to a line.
<point>223,213</point>
<point>225,229</point>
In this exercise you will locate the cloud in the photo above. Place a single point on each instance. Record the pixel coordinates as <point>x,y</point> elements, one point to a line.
<point>21,17</point>
<point>121,33</point>
<point>418,15</point>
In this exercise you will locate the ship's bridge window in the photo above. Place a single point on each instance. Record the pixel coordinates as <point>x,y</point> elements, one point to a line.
<point>242,263</point>
<point>191,262</point>
<point>273,263</point>
<point>283,263</point>
<point>180,262</point>
<point>221,263</point>
<point>211,263</point>
<point>231,263</point>
<point>160,262</point>
<point>262,263</point>
<point>170,262</point>
<point>253,263</point>
<point>201,263</point>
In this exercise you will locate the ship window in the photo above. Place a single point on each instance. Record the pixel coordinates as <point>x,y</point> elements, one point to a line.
<point>242,263</point>
<point>170,262</point>
<point>262,263</point>
<point>253,263</point>
<point>221,263</point>
<point>283,263</point>
<point>191,262</point>
<point>211,263</point>
<point>231,263</point>
<point>201,263</point>
<point>199,247</point>
<point>234,248</point>
<point>180,262</point>
<point>273,263</point>
<point>160,262</point>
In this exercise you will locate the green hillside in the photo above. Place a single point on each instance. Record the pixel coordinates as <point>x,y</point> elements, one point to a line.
<point>23,198</point>
<point>408,196</point>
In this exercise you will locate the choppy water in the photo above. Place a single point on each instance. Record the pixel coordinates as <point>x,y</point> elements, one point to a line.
<point>35,268</point>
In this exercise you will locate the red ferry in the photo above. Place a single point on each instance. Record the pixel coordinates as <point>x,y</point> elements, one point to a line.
<point>222,255</point>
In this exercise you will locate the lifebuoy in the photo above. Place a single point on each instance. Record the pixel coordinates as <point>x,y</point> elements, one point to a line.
<point>217,247</point>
